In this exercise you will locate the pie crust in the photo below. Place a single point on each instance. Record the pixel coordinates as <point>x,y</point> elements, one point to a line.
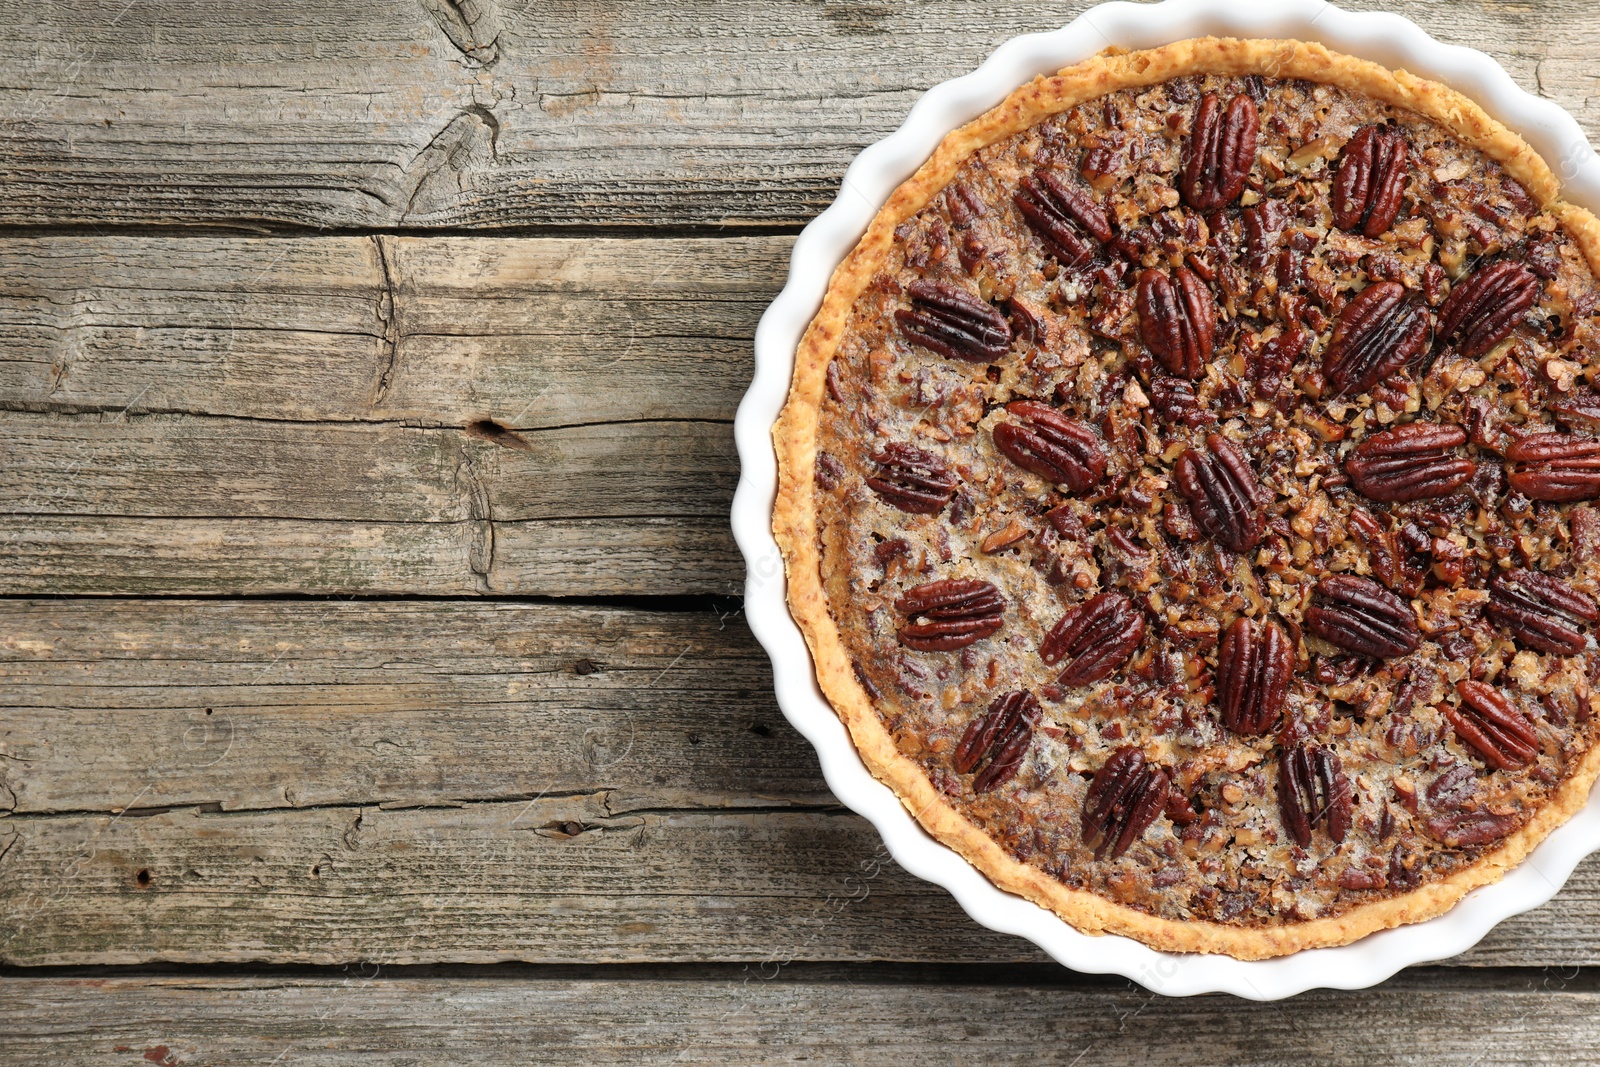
<point>795,519</point>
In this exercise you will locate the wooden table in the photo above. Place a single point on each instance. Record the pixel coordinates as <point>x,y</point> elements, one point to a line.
<point>375,683</point>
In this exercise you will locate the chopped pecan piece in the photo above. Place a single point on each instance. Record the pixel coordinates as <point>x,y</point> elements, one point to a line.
<point>954,323</point>
<point>1410,462</point>
<point>912,479</point>
<point>1371,181</point>
<point>1060,450</point>
<point>1180,810</point>
<point>1359,615</point>
<point>1557,467</point>
<point>964,204</point>
<point>1026,324</point>
<point>1125,797</point>
<point>1002,734</point>
<point>830,472</point>
<point>1488,721</point>
<point>1174,400</point>
<point>1381,330</point>
<point>1223,493</point>
<point>958,611</point>
<point>1400,558</point>
<point>1581,411</point>
<point>1483,308</point>
<point>1313,792</point>
<point>1177,320</point>
<point>1454,790</point>
<point>1542,612</point>
<point>1277,358</point>
<point>1219,152</point>
<point>1254,664</point>
<point>1263,232</point>
<point>1067,220</point>
<point>1094,638</point>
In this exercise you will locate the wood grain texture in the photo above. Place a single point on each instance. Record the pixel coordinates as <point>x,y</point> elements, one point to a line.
<point>186,466</point>
<point>374,415</point>
<point>783,1015</point>
<point>292,776</point>
<point>258,704</point>
<point>553,879</point>
<point>554,114</point>
<point>95,555</point>
<point>533,334</point>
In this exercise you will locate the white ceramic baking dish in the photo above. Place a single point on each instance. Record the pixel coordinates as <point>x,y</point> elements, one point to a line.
<point>876,172</point>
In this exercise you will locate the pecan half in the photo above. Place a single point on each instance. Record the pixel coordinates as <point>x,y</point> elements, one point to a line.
<point>1124,798</point>
<point>954,323</point>
<point>1542,612</point>
<point>1177,320</point>
<point>1490,723</point>
<point>1223,493</point>
<point>1254,663</point>
<point>1313,792</point>
<point>1060,450</point>
<point>1410,462</point>
<point>1485,306</point>
<point>957,612</point>
<point>1002,734</point>
<point>912,480</point>
<point>1558,467</point>
<point>1219,152</point>
<point>1381,330</point>
<point>1094,638</point>
<point>1359,615</point>
<point>1371,181</point>
<point>1067,220</point>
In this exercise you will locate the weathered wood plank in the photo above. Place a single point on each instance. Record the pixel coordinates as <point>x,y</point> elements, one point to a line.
<point>258,704</point>
<point>188,466</point>
<point>289,114</point>
<point>794,1015</point>
<point>552,879</point>
<point>532,334</point>
<point>60,554</point>
<point>352,397</point>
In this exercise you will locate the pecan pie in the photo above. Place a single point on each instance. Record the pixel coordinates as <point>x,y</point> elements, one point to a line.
<point>1189,493</point>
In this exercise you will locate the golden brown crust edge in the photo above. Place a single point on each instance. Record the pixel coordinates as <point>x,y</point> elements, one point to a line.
<point>794,516</point>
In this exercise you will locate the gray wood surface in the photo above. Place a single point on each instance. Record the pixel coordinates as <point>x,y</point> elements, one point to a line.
<point>778,1014</point>
<point>374,415</point>
<point>533,333</point>
<point>561,115</point>
<point>380,326</point>
<point>256,704</point>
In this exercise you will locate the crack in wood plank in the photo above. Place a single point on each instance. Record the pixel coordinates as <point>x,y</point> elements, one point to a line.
<point>480,510</point>
<point>388,320</point>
